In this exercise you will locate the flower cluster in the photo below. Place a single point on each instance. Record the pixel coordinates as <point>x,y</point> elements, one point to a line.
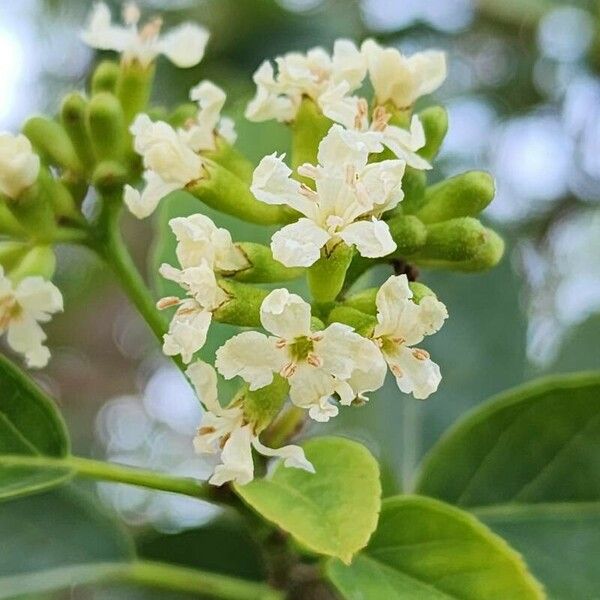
<point>354,196</point>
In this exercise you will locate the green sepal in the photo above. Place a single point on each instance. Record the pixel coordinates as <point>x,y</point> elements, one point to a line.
<point>414,184</point>
<point>104,78</point>
<point>263,268</point>
<point>231,158</point>
<point>109,176</point>
<point>133,87</point>
<point>106,122</point>
<point>462,244</point>
<point>34,210</point>
<point>9,224</point>
<point>420,291</point>
<point>308,129</point>
<point>60,197</point>
<point>262,406</point>
<point>11,253</point>
<point>464,195</point>
<point>52,143</point>
<point>365,300</point>
<point>400,117</point>
<point>182,114</point>
<point>73,117</point>
<point>222,190</point>
<point>326,277</point>
<point>243,306</point>
<point>435,124</point>
<point>363,323</point>
<point>409,233</point>
<point>40,261</point>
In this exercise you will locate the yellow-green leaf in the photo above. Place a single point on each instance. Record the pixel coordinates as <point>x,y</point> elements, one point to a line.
<point>333,511</point>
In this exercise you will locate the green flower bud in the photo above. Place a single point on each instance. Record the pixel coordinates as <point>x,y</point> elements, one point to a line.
<point>34,209</point>
<point>413,185</point>
<point>460,244</point>
<point>52,143</point>
<point>232,159</point>
<point>222,190</point>
<point>9,224</point>
<point>262,406</point>
<point>409,234</point>
<point>419,291</point>
<point>435,123</point>
<point>308,129</point>
<point>109,176</point>
<point>73,116</point>
<point>59,195</point>
<point>11,253</point>
<point>465,195</point>
<point>40,260</point>
<point>105,77</point>
<point>243,306</point>
<point>326,277</point>
<point>362,323</point>
<point>133,88</point>
<point>106,123</point>
<point>263,267</point>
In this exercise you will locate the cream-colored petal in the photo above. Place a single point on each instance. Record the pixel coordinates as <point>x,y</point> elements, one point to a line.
<point>342,147</point>
<point>251,356</point>
<point>26,337</point>
<point>292,456</point>
<point>299,244</point>
<point>237,459</point>
<point>204,379</point>
<point>19,165</point>
<point>348,64</point>
<point>372,238</point>
<point>143,204</point>
<point>184,45</point>
<point>39,298</point>
<point>285,315</point>
<point>312,388</point>
<point>187,331</point>
<point>415,373</point>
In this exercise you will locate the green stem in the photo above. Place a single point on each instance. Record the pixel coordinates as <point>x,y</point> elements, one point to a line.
<point>106,471</point>
<point>146,573</point>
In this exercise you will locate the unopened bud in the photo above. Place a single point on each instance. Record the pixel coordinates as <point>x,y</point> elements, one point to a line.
<point>326,276</point>
<point>107,127</point>
<point>262,406</point>
<point>105,77</point>
<point>363,323</point>
<point>243,306</point>
<point>40,261</point>
<point>409,234</point>
<point>263,268</point>
<point>73,117</point>
<point>133,87</point>
<point>109,176</point>
<point>11,253</point>
<point>435,124</point>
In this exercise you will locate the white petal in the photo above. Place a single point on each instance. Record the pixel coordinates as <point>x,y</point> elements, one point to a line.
<point>431,69</point>
<point>342,147</point>
<point>348,64</point>
<point>369,374</point>
<point>100,33</point>
<point>251,356</point>
<point>187,331</point>
<point>338,106</point>
<point>404,144</point>
<point>312,388</point>
<point>381,182</point>
<point>39,298</point>
<point>336,349</point>
<point>226,129</point>
<point>285,315</point>
<point>299,244</point>
<point>293,456</point>
<point>268,103</point>
<point>371,238</point>
<point>237,459</point>
<point>204,379</point>
<point>19,165</point>
<point>414,373</point>
<point>143,204</point>
<point>26,337</point>
<point>184,45</point>
<point>272,184</point>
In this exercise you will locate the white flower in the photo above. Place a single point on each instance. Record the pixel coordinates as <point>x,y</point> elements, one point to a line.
<point>19,166</point>
<point>317,364</point>
<point>349,194</point>
<point>199,134</point>
<point>189,325</point>
<point>200,240</point>
<point>403,79</point>
<point>303,75</point>
<point>353,113</point>
<point>169,161</point>
<point>225,430</point>
<point>401,324</point>
<point>184,45</point>
<point>22,308</point>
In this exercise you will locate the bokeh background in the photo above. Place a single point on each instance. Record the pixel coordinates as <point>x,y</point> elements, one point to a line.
<point>523,95</point>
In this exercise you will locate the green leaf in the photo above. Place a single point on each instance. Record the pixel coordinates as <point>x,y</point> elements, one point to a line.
<point>536,443</point>
<point>333,511</point>
<point>424,549</point>
<point>30,425</point>
<point>561,543</point>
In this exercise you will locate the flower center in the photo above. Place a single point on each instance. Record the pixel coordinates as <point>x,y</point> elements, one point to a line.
<point>300,349</point>
<point>9,310</point>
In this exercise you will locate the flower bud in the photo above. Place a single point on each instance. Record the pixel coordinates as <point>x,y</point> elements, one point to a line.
<point>464,195</point>
<point>414,184</point>
<point>243,306</point>
<point>11,253</point>
<point>326,276</point>
<point>107,128</point>
<point>363,323</point>
<point>462,244</point>
<point>73,117</point>
<point>105,77</point>
<point>409,234</point>
<point>222,190</point>
<point>40,260</point>
<point>9,224</point>
<point>53,144</point>
<point>133,87</point>
<point>263,267</point>
<point>308,129</point>
<point>60,197</point>
<point>232,159</point>
<point>435,124</point>
<point>19,166</point>
<point>262,406</point>
<point>109,176</point>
